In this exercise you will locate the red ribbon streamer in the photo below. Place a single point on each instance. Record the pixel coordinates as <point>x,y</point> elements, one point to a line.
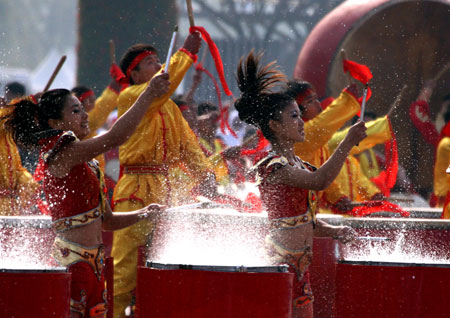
<point>223,110</point>
<point>262,144</point>
<point>215,55</point>
<point>117,74</point>
<point>358,71</point>
<point>387,178</point>
<point>370,207</point>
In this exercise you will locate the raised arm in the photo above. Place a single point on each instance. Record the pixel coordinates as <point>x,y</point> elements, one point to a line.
<point>322,177</point>
<point>81,151</point>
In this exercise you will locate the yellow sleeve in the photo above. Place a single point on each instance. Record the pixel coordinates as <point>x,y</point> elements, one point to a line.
<point>320,129</point>
<point>365,188</point>
<point>378,132</point>
<point>12,173</point>
<point>104,105</point>
<point>333,193</point>
<point>442,179</point>
<point>369,164</point>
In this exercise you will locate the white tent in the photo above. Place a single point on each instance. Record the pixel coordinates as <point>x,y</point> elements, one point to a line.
<point>65,78</point>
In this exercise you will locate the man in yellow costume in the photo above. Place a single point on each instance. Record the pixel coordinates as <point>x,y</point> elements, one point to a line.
<point>320,125</point>
<point>18,190</point>
<point>151,157</point>
<point>352,181</point>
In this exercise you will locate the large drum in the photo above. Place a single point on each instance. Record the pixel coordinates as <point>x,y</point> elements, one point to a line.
<point>403,290</point>
<point>34,293</point>
<point>403,42</point>
<point>393,259</point>
<point>171,290</point>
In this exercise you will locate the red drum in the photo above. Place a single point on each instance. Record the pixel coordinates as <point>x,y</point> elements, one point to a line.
<point>34,293</point>
<point>393,266</point>
<point>401,290</point>
<point>170,290</point>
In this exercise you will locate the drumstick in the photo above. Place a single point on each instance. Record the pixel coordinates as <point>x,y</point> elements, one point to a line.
<point>205,50</point>
<point>397,100</point>
<point>172,44</point>
<point>441,72</point>
<point>190,12</point>
<point>112,51</point>
<point>344,57</point>
<point>363,104</point>
<point>55,72</point>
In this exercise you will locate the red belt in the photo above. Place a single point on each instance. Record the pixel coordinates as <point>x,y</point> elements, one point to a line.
<point>146,169</point>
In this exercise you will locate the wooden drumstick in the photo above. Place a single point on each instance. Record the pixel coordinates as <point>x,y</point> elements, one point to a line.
<point>190,12</point>
<point>397,100</point>
<point>55,72</point>
<point>112,51</point>
<point>441,72</point>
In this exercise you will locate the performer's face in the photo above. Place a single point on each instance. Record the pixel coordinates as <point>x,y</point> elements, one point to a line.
<point>89,103</point>
<point>146,69</point>
<point>312,107</point>
<point>291,125</point>
<point>73,117</point>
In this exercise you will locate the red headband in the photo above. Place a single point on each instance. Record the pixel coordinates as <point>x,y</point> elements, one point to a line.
<point>136,61</point>
<point>85,95</point>
<point>301,97</point>
<point>183,107</point>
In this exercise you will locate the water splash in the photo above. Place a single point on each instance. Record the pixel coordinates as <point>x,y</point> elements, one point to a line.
<point>216,237</point>
<point>403,246</point>
<point>25,243</point>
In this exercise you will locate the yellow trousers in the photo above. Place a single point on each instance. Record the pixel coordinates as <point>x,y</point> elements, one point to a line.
<point>125,247</point>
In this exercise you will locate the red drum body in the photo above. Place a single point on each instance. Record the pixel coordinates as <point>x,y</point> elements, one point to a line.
<point>401,268</point>
<point>213,291</point>
<point>34,293</point>
<point>30,285</point>
<point>403,290</point>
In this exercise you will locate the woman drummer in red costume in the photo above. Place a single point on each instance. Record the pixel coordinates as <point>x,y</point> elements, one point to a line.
<point>287,183</point>
<point>73,184</point>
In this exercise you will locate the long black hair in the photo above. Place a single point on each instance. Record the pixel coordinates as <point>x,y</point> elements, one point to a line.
<point>258,103</point>
<point>30,118</point>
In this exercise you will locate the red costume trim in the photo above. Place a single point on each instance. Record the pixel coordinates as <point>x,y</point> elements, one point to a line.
<point>189,53</point>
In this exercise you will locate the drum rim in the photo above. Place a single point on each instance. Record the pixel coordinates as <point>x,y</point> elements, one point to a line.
<point>34,270</point>
<point>393,264</point>
<point>220,268</point>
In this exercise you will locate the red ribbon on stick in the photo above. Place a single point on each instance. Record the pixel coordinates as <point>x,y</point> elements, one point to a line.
<point>215,55</point>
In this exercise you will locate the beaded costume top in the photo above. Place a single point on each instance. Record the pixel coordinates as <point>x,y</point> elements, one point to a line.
<point>77,198</point>
<point>281,200</point>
